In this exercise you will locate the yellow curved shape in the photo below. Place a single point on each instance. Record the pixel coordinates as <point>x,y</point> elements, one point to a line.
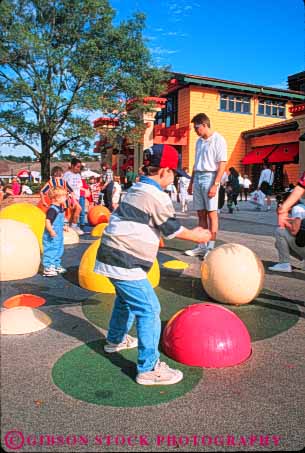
<point>175,264</point>
<point>98,230</point>
<point>29,214</point>
<point>88,279</point>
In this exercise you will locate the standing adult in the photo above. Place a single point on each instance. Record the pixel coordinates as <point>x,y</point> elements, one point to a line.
<point>241,187</point>
<point>183,184</point>
<point>107,185</point>
<point>210,163</point>
<point>73,178</point>
<point>233,181</point>
<point>265,183</point>
<point>130,177</point>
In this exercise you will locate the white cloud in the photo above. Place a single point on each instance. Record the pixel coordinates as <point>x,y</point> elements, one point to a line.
<point>162,51</point>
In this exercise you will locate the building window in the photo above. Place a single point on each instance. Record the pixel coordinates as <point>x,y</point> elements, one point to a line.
<point>169,115</point>
<point>234,103</point>
<point>270,107</point>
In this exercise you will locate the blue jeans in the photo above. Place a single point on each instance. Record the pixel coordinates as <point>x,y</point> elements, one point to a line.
<point>136,300</point>
<point>82,202</point>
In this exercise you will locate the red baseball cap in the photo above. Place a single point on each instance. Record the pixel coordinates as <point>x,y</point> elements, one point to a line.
<point>163,156</point>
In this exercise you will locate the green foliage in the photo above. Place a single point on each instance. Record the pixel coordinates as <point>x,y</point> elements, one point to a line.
<point>18,158</point>
<point>62,60</point>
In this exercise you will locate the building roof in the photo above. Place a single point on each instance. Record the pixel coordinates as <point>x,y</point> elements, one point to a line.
<point>186,79</point>
<point>275,128</point>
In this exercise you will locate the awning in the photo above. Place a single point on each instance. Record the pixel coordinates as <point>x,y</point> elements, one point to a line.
<point>257,155</point>
<point>286,152</point>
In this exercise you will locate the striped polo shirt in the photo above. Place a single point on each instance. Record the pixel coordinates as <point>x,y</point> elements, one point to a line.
<point>130,242</point>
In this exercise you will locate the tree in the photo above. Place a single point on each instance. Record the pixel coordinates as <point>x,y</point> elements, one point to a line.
<point>61,60</point>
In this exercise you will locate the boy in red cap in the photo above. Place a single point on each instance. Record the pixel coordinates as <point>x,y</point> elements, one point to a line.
<point>128,249</point>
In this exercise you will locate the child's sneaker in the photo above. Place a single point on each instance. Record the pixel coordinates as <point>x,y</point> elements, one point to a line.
<point>162,374</point>
<point>49,272</point>
<point>78,230</point>
<point>129,343</point>
<point>200,250</point>
<point>60,269</point>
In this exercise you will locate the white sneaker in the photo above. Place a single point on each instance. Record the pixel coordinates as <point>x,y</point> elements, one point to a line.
<point>78,230</point>
<point>60,269</point>
<point>281,267</point>
<point>197,251</point>
<point>129,343</point>
<point>49,272</point>
<point>162,374</point>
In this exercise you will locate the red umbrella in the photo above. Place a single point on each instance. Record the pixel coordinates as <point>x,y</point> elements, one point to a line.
<point>23,174</point>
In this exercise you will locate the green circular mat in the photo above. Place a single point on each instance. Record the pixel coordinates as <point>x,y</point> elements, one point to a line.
<point>88,374</point>
<point>265,317</point>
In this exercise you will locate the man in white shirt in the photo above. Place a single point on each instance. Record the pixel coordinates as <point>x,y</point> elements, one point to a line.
<point>73,178</point>
<point>265,183</point>
<point>246,183</point>
<point>210,163</point>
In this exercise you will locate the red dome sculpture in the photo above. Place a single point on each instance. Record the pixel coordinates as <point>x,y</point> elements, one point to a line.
<point>206,335</point>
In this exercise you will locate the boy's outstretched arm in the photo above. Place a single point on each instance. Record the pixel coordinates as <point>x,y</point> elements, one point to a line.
<point>197,234</point>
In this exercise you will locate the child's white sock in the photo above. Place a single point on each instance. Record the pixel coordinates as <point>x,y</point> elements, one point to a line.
<point>74,225</point>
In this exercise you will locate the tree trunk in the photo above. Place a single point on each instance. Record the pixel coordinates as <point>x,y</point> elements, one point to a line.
<point>45,157</point>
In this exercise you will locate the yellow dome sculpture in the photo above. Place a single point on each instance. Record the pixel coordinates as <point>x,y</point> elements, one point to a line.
<point>99,283</point>
<point>19,251</point>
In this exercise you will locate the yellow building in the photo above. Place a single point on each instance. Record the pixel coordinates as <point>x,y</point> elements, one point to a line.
<point>232,107</point>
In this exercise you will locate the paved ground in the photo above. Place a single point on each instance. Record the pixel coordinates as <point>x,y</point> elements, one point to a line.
<point>256,406</point>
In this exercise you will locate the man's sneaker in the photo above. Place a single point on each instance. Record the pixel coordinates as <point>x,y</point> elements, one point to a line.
<point>60,269</point>
<point>162,374</point>
<point>78,230</point>
<point>129,343</point>
<point>49,272</point>
<point>281,267</point>
<point>197,251</point>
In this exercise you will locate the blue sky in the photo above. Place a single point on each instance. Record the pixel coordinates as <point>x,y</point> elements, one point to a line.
<point>259,42</point>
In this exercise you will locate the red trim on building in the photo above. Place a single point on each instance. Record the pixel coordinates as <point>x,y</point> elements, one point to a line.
<point>257,155</point>
<point>297,109</point>
<point>173,135</point>
<point>155,101</point>
<point>286,152</point>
